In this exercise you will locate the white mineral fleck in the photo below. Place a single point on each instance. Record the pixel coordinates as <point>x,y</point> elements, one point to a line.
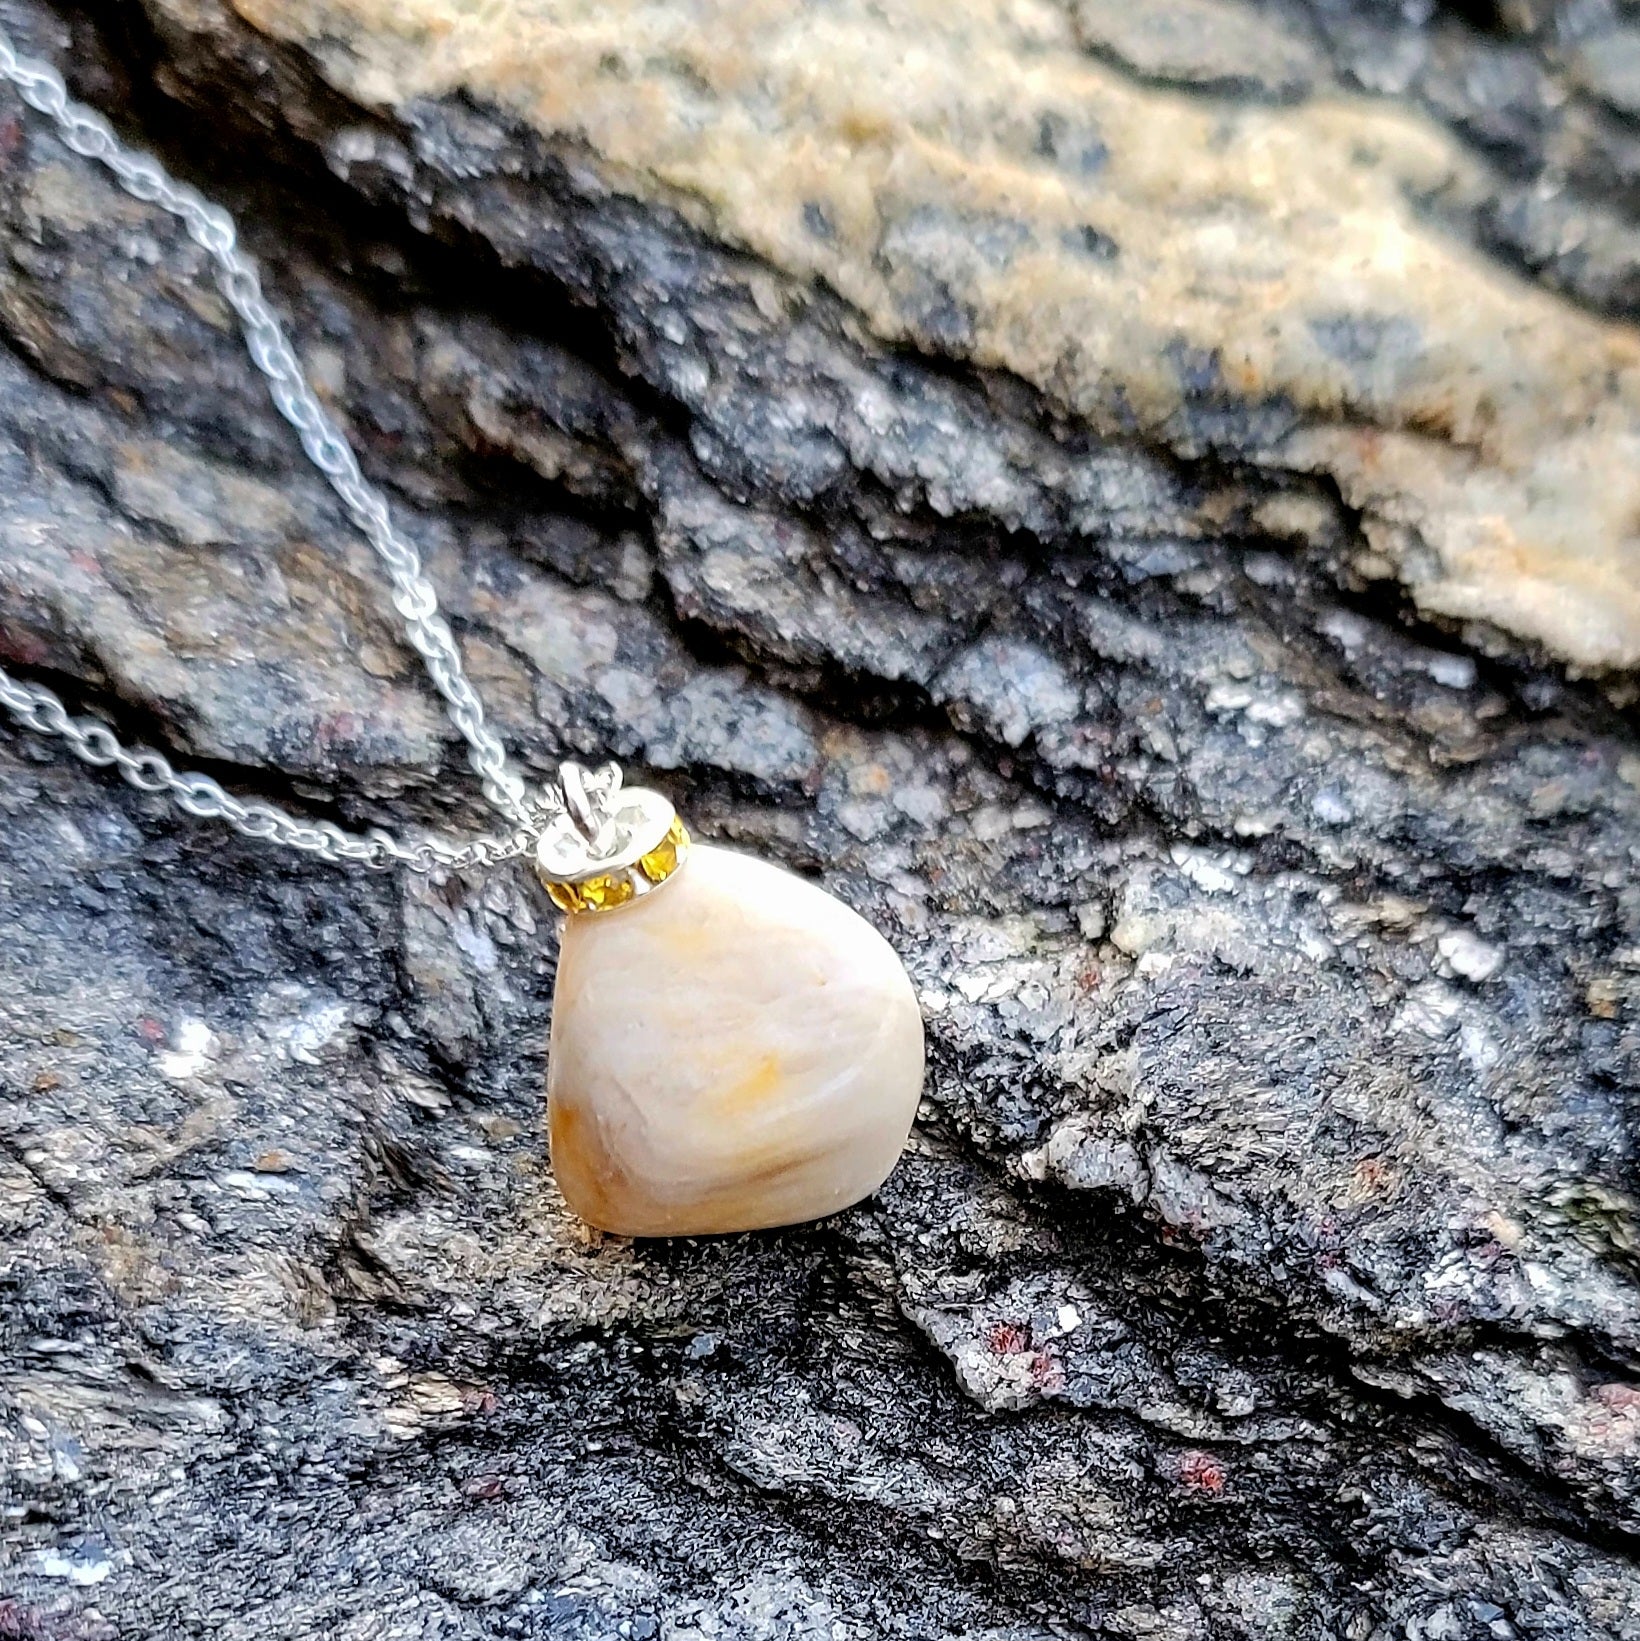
<point>1469,956</point>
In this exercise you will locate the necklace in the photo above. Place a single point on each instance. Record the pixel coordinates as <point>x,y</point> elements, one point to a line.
<point>731,1047</point>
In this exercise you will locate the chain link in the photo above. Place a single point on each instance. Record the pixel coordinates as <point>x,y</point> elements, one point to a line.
<point>209,226</point>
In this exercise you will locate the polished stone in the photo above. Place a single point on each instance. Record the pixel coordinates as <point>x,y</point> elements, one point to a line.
<point>737,1050</point>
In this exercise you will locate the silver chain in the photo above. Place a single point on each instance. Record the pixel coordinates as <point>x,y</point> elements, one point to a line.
<point>209,226</point>
<point>38,709</point>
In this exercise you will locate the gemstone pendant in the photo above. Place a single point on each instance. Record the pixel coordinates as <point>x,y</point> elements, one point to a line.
<point>731,1046</point>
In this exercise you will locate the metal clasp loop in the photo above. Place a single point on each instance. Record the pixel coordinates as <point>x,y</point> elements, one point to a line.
<point>588,801</point>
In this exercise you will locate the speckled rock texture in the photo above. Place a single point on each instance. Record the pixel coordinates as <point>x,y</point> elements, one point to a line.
<point>1138,499</point>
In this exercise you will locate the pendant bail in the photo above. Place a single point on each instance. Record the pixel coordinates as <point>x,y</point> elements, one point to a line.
<point>590,814</point>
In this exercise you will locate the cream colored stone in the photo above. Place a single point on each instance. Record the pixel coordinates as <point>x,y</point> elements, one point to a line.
<point>737,1050</point>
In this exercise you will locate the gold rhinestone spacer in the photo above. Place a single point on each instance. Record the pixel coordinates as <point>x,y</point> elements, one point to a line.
<point>649,844</point>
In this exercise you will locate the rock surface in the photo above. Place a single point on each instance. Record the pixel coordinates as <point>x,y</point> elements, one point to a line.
<point>1140,501</point>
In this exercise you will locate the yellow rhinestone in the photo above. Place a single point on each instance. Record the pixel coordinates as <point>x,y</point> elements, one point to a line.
<point>565,896</point>
<point>662,861</point>
<point>600,893</point>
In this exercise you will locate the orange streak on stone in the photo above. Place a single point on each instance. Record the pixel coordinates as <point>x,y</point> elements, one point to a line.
<point>593,1184</point>
<point>760,1081</point>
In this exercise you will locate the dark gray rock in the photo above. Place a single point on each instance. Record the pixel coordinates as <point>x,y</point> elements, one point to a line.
<point>1267,1262</point>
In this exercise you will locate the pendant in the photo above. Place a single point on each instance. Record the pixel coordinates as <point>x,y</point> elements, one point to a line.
<point>731,1047</point>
